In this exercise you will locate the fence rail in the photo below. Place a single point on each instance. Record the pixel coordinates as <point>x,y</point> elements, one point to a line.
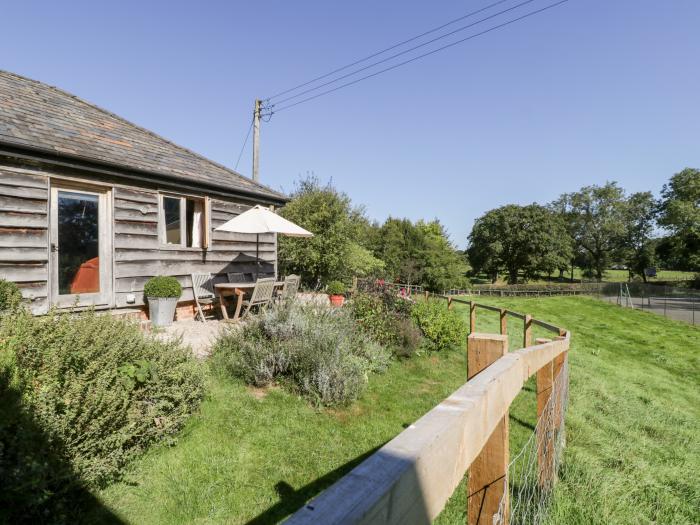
<point>410,479</point>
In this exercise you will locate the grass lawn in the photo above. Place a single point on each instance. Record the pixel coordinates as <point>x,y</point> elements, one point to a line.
<point>633,431</point>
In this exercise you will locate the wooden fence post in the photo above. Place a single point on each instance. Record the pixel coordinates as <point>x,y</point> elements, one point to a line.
<point>472,317</point>
<point>488,474</point>
<point>427,295</point>
<point>504,321</point>
<point>527,335</point>
<point>449,303</point>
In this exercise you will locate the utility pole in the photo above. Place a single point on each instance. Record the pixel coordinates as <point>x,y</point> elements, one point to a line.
<point>256,140</point>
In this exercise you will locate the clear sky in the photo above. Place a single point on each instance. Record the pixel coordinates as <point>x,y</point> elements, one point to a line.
<point>590,91</point>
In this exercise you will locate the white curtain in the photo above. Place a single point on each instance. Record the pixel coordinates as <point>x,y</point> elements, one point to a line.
<point>197,224</point>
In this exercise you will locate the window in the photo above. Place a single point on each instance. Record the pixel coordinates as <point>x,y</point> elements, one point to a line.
<point>183,221</point>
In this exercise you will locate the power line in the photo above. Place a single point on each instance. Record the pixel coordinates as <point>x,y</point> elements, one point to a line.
<point>396,55</point>
<point>244,143</point>
<point>454,21</point>
<point>499,26</point>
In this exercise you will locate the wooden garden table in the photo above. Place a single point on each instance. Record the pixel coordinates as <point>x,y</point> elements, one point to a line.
<point>239,290</point>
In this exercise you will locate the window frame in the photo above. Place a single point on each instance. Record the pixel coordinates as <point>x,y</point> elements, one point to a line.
<point>206,222</point>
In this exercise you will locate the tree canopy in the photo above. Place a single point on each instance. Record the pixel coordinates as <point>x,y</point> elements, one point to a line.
<point>595,218</point>
<point>679,213</point>
<point>517,240</point>
<point>333,253</point>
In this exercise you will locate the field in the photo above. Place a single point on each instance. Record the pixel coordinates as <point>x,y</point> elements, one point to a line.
<point>632,430</point>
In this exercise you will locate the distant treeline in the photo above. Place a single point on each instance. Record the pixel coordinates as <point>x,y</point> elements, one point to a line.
<point>594,229</point>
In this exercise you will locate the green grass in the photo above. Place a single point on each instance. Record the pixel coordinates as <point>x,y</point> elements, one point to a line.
<point>633,431</point>
<point>632,456</point>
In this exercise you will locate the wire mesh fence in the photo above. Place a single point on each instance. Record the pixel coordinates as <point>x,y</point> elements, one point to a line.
<point>533,471</point>
<point>681,304</point>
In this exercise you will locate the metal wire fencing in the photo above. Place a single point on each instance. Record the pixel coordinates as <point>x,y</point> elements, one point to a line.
<point>533,471</point>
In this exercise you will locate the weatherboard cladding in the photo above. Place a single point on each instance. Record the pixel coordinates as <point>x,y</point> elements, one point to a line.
<point>36,115</point>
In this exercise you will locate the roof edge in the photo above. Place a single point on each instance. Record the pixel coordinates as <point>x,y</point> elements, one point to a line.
<point>99,166</point>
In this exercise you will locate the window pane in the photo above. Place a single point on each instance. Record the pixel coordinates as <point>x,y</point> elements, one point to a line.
<point>171,213</point>
<point>194,217</point>
<point>78,243</point>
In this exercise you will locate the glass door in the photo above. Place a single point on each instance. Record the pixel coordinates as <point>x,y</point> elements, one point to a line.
<point>81,247</point>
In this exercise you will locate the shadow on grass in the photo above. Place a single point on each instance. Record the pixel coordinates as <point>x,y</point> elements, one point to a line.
<point>379,486</point>
<point>291,500</point>
<point>37,483</point>
<point>521,422</point>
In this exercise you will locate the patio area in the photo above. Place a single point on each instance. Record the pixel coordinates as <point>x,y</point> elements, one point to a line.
<point>197,335</point>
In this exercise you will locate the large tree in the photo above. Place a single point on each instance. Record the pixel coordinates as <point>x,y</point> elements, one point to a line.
<point>335,251</point>
<point>420,253</point>
<point>637,247</point>
<point>596,221</point>
<point>680,215</point>
<point>525,240</point>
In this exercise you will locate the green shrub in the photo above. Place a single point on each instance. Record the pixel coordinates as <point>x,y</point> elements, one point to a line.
<point>410,338</point>
<point>162,286</point>
<point>10,296</point>
<point>442,327</point>
<point>386,318</point>
<point>336,288</point>
<point>318,352</point>
<point>80,396</point>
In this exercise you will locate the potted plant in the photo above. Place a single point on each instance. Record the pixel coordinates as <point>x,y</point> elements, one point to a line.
<point>162,294</point>
<point>335,290</point>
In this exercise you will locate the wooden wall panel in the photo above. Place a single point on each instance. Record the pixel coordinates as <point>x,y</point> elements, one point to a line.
<point>138,255</point>
<point>24,234</point>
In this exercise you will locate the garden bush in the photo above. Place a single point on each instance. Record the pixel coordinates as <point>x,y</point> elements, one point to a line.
<point>10,296</point>
<point>336,288</point>
<point>386,318</point>
<point>316,351</point>
<point>81,395</point>
<point>162,286</point>
<point>442,327</point>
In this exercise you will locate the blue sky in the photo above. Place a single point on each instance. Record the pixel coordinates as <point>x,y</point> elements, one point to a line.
<point>593,90</point>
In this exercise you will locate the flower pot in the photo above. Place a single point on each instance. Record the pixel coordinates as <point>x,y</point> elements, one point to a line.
<point>337,300</point>
<point>161,310</point>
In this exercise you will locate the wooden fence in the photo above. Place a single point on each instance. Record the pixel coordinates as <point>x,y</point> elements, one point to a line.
<point>506,291</point>
<point>410,479</point>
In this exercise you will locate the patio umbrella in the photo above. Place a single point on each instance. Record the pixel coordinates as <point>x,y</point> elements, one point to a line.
<point>259,220</point>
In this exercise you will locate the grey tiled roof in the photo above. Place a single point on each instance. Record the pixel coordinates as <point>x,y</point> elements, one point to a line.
<point>41,116</point>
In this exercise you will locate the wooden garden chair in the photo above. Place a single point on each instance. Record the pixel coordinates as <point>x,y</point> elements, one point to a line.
<point>290,288</point>
<point>262,295</point>
<point>203,291</point>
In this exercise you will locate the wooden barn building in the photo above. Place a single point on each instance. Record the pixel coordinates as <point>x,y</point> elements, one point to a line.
<point>92,206</point>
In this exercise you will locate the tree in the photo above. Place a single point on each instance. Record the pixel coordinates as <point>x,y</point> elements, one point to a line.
<point>637,246</point>
<point>331,253</point>
<point>420,253</point>
<point>679,212</point>
<point>596,219</point>
<point>519,239</point>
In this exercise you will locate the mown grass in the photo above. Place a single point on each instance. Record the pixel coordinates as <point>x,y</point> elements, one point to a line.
<point>633,424</point>
<point>632,456</point>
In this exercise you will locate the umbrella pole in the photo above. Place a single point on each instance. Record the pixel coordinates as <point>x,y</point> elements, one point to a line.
<point>257,256</point>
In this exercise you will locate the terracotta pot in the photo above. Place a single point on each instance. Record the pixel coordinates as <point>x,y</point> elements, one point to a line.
<point>337,300</point>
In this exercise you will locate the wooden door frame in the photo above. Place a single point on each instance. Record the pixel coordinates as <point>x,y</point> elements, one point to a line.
<point>104,298</point>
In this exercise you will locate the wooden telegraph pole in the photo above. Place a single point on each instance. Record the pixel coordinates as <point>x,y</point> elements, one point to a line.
<point>256,140</point>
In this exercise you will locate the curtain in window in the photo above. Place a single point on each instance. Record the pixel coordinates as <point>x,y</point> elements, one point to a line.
<point>197,224</point>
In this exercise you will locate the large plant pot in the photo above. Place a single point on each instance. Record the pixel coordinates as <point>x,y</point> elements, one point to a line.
<point>162,310</point>
<point>337,300</point>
